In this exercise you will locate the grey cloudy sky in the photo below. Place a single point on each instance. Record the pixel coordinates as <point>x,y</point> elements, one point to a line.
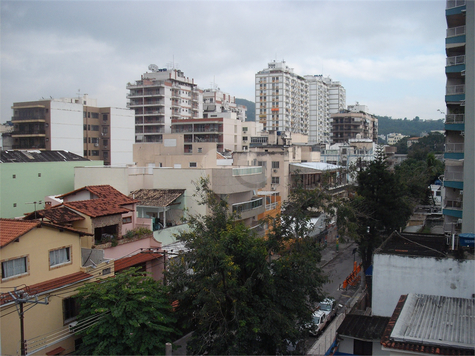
<point>389,55</point>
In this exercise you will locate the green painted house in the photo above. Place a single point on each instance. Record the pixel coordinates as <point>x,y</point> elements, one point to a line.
<point>27,177</point>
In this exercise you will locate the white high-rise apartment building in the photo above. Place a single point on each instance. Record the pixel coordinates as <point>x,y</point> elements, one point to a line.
<point>282,102</point>
<point>326,97</point>
<point>220,104</point>
<point>160,96</point>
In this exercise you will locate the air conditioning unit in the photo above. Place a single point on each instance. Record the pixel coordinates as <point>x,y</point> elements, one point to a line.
<point>72,326</point>
<point>275,170</point>
<point>96,145</point>
<point>272,188</point>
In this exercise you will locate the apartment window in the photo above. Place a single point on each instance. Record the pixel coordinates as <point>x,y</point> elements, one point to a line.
<point>95,153</point>
<point>85,139</point>
<point>127,220</point>
<point>105,143</point>
<point>85,127</point>
<point>39,175</point>
<point>275,164</point>
<point>85,153</point>
<point>70,309</point>
<point>192,164</point>
<point>15,267</point>
<point>95,140</point>
<point>14,205</point>
<point>95,127</point>
<point>105,117</point>
<point>275,180</point>
<point>95,115</point>
<point>200,150</point>
<point>60,257</point>
<point>244,129</point>
<point>14,176</point>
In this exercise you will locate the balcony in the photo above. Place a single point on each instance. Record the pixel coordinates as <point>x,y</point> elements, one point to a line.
<point>454,147</point>
<point>454,3</point>
<point>29,132</point>
<point>455,35</point>
<point>453,204</point>
<point>455,92</point>
<point>249,209</point>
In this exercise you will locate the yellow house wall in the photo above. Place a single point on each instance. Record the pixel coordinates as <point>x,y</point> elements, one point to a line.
<point>36,245</point>
<point>40,319</point>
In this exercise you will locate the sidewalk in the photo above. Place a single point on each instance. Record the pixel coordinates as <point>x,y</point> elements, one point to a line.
<point>330,252</point>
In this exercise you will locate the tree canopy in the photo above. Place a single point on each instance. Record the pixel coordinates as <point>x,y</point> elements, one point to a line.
<point>243,294</point>
<point>128,314</point>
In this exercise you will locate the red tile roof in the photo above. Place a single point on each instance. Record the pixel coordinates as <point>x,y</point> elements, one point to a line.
<point>105,200</point>
<point>97,207</point>
<point>59,214</point>
<point>11,229</point>
<point>136,259</point>
<point>104,192</point>
<point>49,285</point>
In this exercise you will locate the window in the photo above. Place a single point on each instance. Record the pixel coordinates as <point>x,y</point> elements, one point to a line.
<point>70,309</point>
<point>200,150</point>
<point>105,117</point>
<point>14,176</point>
<point>60,257</point>
<point>95,115</point>
<point>275,164</point>
<point>95,153</point>
<point>95,127</point>
<point>14,267</point>
<point>39,175</point>
<point>192,164</point>
<point>275,180</point>
<point>127,220</point>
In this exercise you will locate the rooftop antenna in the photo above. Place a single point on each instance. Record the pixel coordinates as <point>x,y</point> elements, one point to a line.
<point>35,202</point>
<point>172,65</point>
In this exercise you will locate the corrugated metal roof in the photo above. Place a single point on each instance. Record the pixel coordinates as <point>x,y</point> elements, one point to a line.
<point>363,327</point>
<point>319,166</point>
<point>437,321</point>
<point>39,156</point>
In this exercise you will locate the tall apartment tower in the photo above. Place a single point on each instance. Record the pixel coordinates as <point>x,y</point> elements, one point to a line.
<point>458,206</point>
<point>76,125</point>
<point>326,97</point>
<point>160,96</point>
<point>282,102</point>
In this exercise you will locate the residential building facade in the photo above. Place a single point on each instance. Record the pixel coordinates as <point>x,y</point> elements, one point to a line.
<point>459,203</point>
<point>282,102</point>
<point>319,124</point>
<point>217,102</point>
<point>348,125</point>
<point>76,125</point>
<point>160,96</point>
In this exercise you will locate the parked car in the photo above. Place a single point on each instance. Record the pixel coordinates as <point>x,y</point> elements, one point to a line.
<point>327,305</point>
<point>319,319</point>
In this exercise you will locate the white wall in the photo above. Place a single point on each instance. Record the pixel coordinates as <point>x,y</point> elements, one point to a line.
<point>122,136</point>
<point>67,127</point>
<point>394,276</point>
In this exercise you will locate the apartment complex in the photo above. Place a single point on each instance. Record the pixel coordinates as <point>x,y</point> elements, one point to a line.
<point>458,207</point>
<point>76,125</point>
<point>326,97</point>
<point>282,99</point>
<point>216,103</point>
<point>348,125</point>
<point>160,96</point>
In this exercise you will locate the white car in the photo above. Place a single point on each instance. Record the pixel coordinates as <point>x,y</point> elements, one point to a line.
<point>327,305</point>
<point>319,319</point>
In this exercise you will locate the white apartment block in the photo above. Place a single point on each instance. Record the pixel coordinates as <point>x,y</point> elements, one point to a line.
<point>282,102</point>
<point>219,104</point>
<point>394,138</point>
<point>160,96</point>
<point>336,96</point>
<point>76,125</point>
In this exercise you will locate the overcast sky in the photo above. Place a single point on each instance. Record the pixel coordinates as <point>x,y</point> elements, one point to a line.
<point>389,55</point>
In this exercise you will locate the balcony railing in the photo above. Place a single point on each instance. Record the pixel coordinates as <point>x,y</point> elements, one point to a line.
<point>29,132</point>
<point>455,118</point>
<point>454,147</point>
<point>246,171</point>
<point>453,173</point>
<point>456,31</point>
<point>454,3</point>
<point>455,61</point>
<point>247,206</point>
<point>455,89</point>
<point>453,204</point>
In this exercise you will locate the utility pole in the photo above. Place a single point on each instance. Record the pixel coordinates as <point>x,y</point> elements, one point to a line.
<point>21,297</point>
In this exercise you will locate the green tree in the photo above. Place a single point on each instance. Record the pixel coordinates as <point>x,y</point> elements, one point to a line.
<point>378,208</point>
<point>128,314</point>
<point>240,293</point>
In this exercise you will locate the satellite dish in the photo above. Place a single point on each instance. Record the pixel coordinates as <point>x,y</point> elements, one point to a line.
<point>153,67</point>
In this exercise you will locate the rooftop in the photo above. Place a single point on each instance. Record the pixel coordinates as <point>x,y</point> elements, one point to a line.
<point>411,244</point>
<point>432,325</point>
<point>11,229</point>
<point>363,327</point>
<point>39,156</point>
<point>156,197</point>
<point>136,259</point>
<point>57,214</point>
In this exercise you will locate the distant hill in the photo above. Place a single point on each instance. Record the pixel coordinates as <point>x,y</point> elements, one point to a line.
<point>251,108</point>
<point>412,127</point>
<point>386,124</point>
